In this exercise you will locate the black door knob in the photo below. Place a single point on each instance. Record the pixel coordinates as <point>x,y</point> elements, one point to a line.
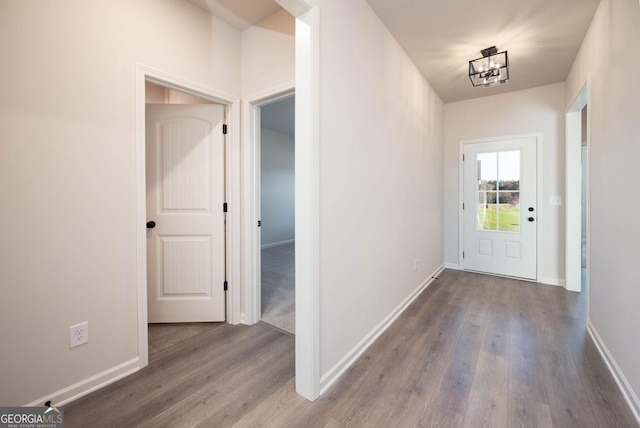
<point>151,224</point>
<point>531,219</point>
<point>530,209</point>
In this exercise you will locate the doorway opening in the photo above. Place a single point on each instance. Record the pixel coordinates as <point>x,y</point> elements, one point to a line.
<point>270,223</point>
<point>277,214</point>
<point>185,192</point>
<point>228,112</point>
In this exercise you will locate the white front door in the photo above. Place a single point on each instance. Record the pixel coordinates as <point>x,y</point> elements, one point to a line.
<point>500,212</point>
<point>185,196</point>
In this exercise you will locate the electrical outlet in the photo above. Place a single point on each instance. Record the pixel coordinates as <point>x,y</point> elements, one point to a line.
<point>415,265</point>
<point>78,334</point>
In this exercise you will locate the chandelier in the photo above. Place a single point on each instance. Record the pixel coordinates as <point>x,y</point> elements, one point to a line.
<point>490,70</point>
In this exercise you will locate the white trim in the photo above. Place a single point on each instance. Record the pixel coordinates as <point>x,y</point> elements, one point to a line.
<point>277,244</point>
<point>294,7</point>
<point>141,219</point>
<point>251,212</point>
<point>251,312</point>
<point>143,74</point>
<point>270,95</point>
<point>454,266</point>
<point>88,385</point>
<point>573,190</point>
<point>345,362</point>
<point>460,204</point>
<point>625,387</point>
<point>307,203</point>
<point>539,200</point>
<point>234,215</point>
<point>552,281</point>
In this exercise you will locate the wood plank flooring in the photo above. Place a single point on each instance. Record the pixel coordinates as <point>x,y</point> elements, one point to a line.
<point>471,351</point>
<point>163,336</point>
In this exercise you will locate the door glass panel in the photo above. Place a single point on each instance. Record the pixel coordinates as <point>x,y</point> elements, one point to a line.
<point>498,205</point>
<point>486,210</point>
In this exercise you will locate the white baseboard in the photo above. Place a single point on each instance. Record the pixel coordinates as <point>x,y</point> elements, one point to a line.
<point>341,366</point>
<point>553,281</point>
<point>277,244</point>
<point>454,266</point>
<point>86,386</point>
<point>628,392</point>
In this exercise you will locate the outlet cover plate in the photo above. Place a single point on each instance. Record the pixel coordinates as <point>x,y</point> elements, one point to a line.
<point>78,334</point>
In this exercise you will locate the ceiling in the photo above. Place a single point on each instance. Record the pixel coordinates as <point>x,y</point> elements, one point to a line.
<point>241,14</point>
<point>541,36</point>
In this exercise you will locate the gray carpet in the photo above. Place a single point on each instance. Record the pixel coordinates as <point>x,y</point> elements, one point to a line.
<point>278,287</point>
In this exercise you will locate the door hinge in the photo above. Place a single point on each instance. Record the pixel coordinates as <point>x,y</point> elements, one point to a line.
<point>462,158</point>
<point>259,223</point>
<point>224,207</point>
<point>226,286</point>
<point>463,254</point>
<point>224,129</point>
<point>463,205</point>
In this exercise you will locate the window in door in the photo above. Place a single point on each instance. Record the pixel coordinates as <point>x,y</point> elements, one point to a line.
<point>498,191</point>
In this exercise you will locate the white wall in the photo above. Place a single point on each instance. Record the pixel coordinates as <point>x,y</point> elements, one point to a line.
<point>268,53</point>
<point>67,174</point>
<point>610,59</point>
<point>381,177</point>
<point>155,94</point>
<point>529,111</point>
<point>277,187</point>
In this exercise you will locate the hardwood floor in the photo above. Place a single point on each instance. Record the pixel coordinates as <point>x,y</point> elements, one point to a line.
<point>471,351</point>
<point>164,336</point>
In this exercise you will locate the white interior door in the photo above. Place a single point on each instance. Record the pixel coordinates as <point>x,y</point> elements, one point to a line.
<point>185,196</point>
<point>500,212</point>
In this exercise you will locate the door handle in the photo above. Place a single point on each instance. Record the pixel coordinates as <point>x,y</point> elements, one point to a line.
<point>530,209</point>
<point>151,224</point>
<point>531,219</point>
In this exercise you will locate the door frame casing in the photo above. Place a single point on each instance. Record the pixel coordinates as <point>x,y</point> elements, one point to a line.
<point>307,217</point>
<point>251,306</point>
<point>539,190</point>
<point>232,189</point>
<point>573,191</point>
